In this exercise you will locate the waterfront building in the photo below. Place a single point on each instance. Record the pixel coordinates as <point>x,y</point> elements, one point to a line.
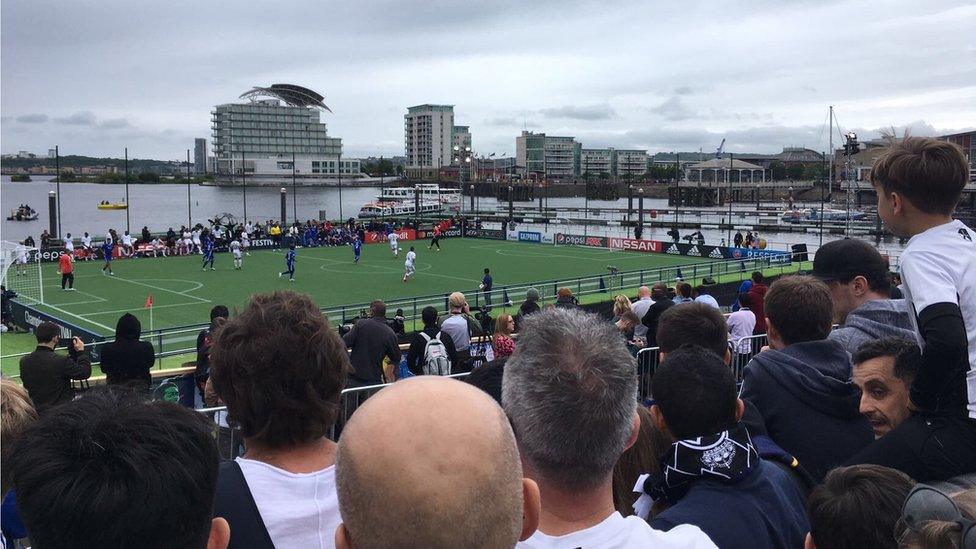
<point>548,155</point>
<point>428,139</point>
<point>629,162</point>
<point>200,156</point>
<point>277,124</point>
<point>596,161</point>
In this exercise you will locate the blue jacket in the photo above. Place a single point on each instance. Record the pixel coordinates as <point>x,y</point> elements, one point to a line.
<point>763,510</point>
<point>808,403</point>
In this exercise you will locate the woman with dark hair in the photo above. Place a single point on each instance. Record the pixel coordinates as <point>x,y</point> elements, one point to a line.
<point>127,361</point>
<point>682,293</point>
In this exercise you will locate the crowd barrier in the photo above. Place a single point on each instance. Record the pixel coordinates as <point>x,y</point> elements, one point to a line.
<point>231,445</point>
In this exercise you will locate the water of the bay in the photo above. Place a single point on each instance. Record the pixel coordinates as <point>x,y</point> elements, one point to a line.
<point>160,206</point>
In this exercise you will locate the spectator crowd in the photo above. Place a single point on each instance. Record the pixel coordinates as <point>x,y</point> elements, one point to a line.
<point>820,413</point>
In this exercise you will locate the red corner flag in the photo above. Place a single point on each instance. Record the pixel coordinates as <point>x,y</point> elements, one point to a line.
<point>149,302</point>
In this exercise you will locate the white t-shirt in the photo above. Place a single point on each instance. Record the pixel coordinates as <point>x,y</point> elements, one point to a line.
<point>741,325</point>
<point>126,240</point>
<point>69,245</point>
<point>616,531</point>
<point>640,308</point>
<point>411,256</point>
<point>20,254</point>
<point>298,509</point>
<point>939,266</point>
<point>235,247</point>
<point>86,241</point>
<point>393,239</point>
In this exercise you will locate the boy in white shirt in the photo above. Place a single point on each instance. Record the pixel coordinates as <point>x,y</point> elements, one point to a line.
<point>235,248</point>
<point>919,182</point>
<point>394,247</point>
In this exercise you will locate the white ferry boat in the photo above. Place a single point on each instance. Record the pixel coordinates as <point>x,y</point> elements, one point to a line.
<point>428,191</point>
<point>399,201</point>
<point>799,215</point>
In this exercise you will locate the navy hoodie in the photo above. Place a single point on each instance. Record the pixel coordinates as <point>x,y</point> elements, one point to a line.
<point>808,403</point>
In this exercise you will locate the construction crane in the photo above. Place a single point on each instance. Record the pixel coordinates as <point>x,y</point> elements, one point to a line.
<point>718,151</point>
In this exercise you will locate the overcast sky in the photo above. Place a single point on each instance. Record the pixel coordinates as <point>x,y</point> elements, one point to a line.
<point>95,76</point>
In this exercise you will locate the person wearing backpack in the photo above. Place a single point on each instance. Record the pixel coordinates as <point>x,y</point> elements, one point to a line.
<point>430,348</point>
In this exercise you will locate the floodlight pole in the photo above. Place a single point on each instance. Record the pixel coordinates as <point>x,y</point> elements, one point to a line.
<point>189,211</point>
<point>127,227</point>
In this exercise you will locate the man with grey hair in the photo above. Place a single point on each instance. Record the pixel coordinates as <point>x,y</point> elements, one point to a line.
<point>570,391</point>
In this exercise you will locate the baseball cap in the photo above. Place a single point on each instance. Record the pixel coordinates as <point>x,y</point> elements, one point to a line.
<point>845,259</point>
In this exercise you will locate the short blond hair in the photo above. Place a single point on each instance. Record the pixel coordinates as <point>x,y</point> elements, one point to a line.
<point>16,413</point>
<point>621,305</point>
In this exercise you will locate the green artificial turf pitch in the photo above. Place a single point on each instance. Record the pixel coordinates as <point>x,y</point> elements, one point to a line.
<point>183,294</point>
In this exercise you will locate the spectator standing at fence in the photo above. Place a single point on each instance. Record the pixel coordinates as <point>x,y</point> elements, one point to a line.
<point>744,288</point>
<point>66,269</point>
<point>486,285</point>
<point>571,395</point>
<point>371,339</point>
<point>857,507</point>
<point>501,341</point>
<point>204,341</point>
<point>529,306</point>
<point>640,307</point>
<point>701,295</point>
<point>742,323</point>
<point>682,291</point>
<point>460,327</point>
<point>418,356</point>
<point>659,293</point>
<point>47,375</point>
<point>458,481</point>
<point>919,182</point>
<point>127,361</point>
<point>757,297</point>
<point>566,300</point>
<point>801,385</point>
<point>713,464</point>
<point>281,382</point>
<point>860,287</point>
<point>112,469</point>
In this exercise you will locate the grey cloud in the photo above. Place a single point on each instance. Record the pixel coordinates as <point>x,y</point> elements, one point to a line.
<point>32,118</point>
<point>581,112</point>
<point>114,123</point>
<point>674,109</point>
<point>684,90</point>
<point>501,121</point>
<point>84,118</point>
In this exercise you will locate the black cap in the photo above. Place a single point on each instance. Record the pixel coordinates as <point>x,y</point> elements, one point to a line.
<point>845,259</point>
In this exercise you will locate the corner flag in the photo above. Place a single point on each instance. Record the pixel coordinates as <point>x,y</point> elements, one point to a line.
<point>149,302</point>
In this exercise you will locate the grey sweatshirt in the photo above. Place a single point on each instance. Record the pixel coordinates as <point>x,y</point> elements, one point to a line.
<point>874,319</point>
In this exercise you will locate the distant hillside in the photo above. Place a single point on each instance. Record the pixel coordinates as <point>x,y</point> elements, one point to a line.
<point>135,164</point>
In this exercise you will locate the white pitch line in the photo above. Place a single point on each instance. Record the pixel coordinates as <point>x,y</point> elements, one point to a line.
<point>137,308</point>
<point>200,299</point>
<point>60,310</point>
<point>79,292</point>
<point>395,270</point>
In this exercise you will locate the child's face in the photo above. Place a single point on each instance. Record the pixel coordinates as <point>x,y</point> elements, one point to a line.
<point>889,211</point>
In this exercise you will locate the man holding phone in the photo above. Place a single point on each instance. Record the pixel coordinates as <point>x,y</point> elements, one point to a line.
<point>47,375</point>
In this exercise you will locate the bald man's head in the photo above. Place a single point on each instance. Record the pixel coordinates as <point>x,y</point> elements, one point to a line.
<point>430,462</point>
<point>643,292</point>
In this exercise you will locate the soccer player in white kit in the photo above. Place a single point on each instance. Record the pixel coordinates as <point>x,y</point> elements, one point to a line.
<point>408,264</point>
<point>20,258</point>
<point>69,245</point>
<point>196,242</point>
<point>86,243</point>
<point>235,248</point>
<point>394,247</point>
<point>246,239</point>
<point>127,244</point>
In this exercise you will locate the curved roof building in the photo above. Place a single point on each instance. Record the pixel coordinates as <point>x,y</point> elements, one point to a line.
<point>292,95</point>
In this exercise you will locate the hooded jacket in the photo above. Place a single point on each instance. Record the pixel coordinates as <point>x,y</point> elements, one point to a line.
<point>874,319</point>
<point>128,360</point>
<point>809,403</point>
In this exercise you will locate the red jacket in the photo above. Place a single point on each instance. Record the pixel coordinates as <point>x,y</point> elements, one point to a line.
<point>65,264</point>
<point>757,296</point>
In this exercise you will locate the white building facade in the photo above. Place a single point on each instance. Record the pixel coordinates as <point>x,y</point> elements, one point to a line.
<point>428,138</point>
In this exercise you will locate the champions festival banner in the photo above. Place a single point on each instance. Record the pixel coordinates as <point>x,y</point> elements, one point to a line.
<point>28,317</point>
<point>688,250</point>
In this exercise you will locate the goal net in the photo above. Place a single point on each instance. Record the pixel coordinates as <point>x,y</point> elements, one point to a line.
<point>20,271</point>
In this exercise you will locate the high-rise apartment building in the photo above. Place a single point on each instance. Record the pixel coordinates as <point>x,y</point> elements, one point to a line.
<point>596,161</point>
<point>277,124</point>
<point>200,156</point>
<point>630,162</point>
<point>428,139</point>
<point>554,156</point>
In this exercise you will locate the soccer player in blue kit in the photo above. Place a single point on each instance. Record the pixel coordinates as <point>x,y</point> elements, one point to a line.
<point>289,264</point>
<point>208,252</point>
<point>107,252</point>
<point>357,248</point>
